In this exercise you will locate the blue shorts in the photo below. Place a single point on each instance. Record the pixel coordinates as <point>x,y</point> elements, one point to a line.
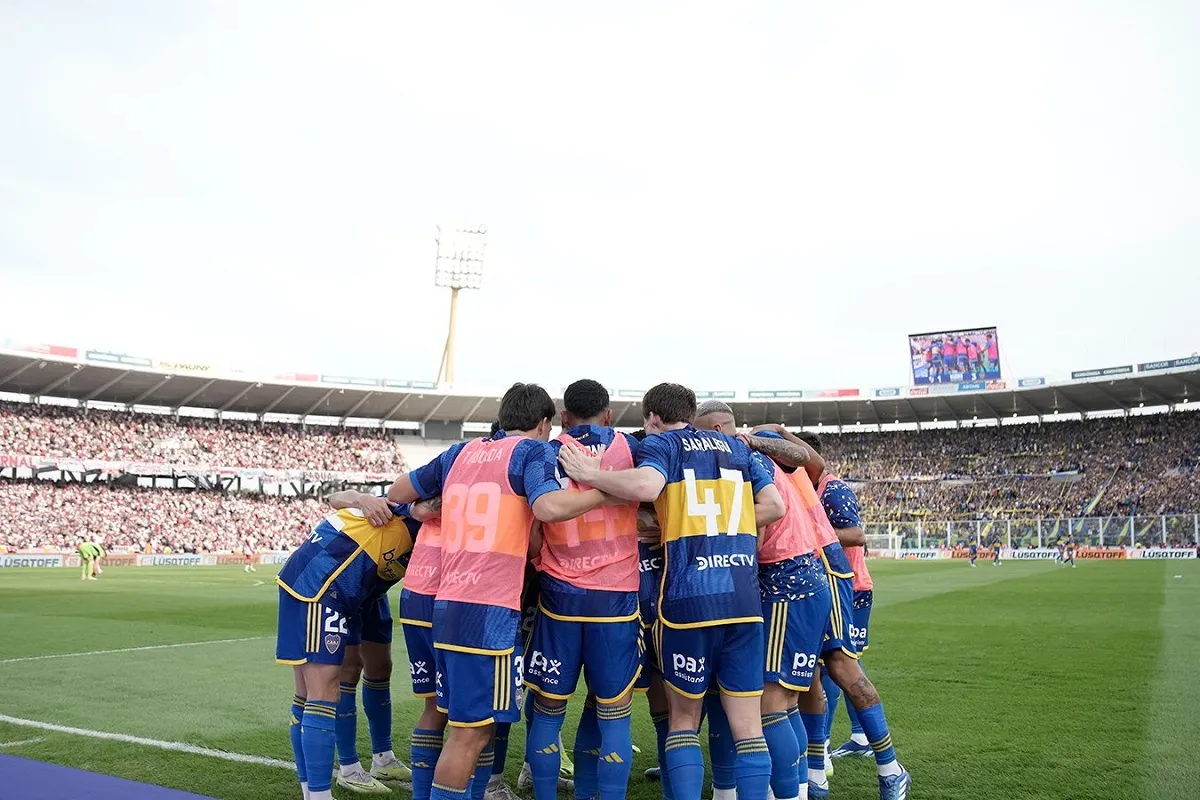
<point>416,618</point>
<point>373,624</point>
<point>794,630</point>
<point>649,660</point>
<point>837,632</point>
<point>862,618</point>
<point>309,633</point>
<point>730,656</point>
<point>650,563</point>
<point>608,653</point>
<point>475,689</point>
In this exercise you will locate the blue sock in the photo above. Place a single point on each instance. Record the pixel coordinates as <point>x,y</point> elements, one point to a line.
<point>483,772</point>
<point>753,768</point>
<point>833,695</point>
<point>721,751</point>
<point>439,792</point>
<point>317,737</point>
<point>785,754</point>
<point>587,752</point>
<point>502,729</point>
<point>294,733</point>
<point>660,733</point>
<point>875,727</point>
<point>801,732</point>
<point>541,749</point>
<point>616,746</point>
<point>347,724</point>
<point>856,728</point>
<point>377,705</point>
<point>685,762</point>
<point>814,724</point>
<point>426,747</point>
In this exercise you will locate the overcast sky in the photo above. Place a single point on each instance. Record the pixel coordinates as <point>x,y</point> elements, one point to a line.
<point>751,195</point>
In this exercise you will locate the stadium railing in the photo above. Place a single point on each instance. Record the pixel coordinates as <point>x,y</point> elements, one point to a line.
<point>1175,530</point>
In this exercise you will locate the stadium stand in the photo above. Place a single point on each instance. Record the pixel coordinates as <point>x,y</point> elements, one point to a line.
<point>45,514</point>
<point>1106,467</point>
<point>1099,467</point>
<point>69,432</point>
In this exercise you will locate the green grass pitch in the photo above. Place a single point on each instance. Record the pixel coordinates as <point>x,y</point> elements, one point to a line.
<point>1024,681</point>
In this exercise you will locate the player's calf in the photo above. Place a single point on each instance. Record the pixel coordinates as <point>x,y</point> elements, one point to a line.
<point>859,691</point>
<point>616,747</point>
<point>542,749</point>
<point>782,743</point>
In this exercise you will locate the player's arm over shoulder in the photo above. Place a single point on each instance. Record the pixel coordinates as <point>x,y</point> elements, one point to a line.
<point>534,474</point>
<point>424,482</point>
<point>643,483</point>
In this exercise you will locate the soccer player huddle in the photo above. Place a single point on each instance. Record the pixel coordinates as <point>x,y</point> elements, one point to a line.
<point>721,573</point>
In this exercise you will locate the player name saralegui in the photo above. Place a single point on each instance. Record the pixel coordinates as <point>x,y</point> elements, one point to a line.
<point>698,444</point>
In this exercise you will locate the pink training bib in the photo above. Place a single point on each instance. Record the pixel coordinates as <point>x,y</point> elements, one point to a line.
<point>599,549</point>
<point>794,534</point>
<point>485,527</point>
<point>813,510</point>
<point>425,564</point>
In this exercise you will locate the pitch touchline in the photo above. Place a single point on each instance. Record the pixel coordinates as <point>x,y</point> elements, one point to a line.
<point>133,649</point>
<point>179,747</point>
<point>22,742</point>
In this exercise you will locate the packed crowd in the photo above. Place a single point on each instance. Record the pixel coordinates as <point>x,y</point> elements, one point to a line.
<point>57,431</point>
<point>43,514</point>
<point>1101,467</point>
<point>1114,467</point>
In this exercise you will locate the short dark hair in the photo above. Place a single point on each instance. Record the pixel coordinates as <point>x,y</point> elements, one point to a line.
<point>671,401</point>
<point>810,439</point>
<point>585,399</point>
<point>639,435</point>
<point>495,428</point>
<point>523,406</point>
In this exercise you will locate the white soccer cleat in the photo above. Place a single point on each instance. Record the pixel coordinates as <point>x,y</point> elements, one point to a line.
<point>359,781</point>
<point>525,780</point>
<point>499,791</point>
<point>391,769</point>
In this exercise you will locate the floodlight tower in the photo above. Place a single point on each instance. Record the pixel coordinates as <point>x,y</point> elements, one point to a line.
<point>459,266</point>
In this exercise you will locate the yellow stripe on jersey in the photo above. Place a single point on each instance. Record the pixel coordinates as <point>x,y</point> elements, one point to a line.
<point>706,507</point>
<point>384,545</point>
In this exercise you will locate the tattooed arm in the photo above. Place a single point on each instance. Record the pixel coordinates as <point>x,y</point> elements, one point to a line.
<point>426,509</point>
<point>814,466</point>
<point>780,450</point>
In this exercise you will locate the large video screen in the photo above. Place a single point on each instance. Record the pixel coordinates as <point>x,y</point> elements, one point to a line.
<point>955,356</point>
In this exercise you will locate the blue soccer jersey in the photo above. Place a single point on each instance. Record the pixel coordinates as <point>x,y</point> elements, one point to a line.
<point>710,539</point>
<point>346,562</point>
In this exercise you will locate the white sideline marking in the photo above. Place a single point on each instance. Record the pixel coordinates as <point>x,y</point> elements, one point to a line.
<point>179,747</point>
<point>133,649</point>
<point>259,583</point>
<point>23,741</point>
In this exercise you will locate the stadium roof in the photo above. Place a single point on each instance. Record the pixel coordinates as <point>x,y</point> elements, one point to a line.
<point>90,375</point>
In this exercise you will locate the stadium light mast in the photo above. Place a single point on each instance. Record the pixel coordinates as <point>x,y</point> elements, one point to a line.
<point>459,266</point>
